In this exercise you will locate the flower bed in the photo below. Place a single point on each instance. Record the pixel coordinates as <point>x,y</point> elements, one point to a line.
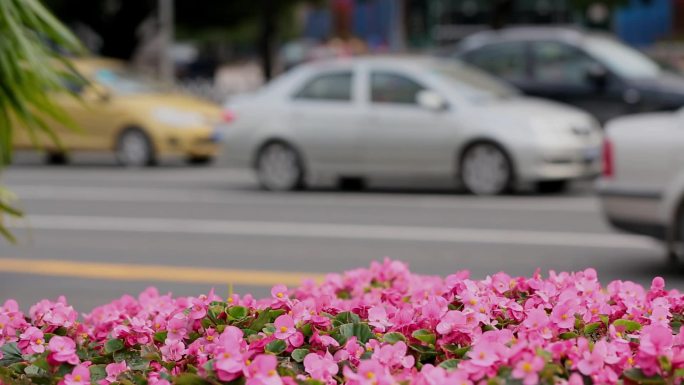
<point>376,326</point>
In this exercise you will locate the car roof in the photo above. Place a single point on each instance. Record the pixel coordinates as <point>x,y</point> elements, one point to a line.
<point>569,34</point>
<point>400,60</point>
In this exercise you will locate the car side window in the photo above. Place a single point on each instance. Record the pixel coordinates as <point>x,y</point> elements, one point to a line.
<point>507,61</point>
<point>335,86</point>
<point>559,63</point>
<point>388,87</point>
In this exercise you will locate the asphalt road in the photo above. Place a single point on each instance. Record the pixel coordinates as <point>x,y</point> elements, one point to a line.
<point>95,232</point>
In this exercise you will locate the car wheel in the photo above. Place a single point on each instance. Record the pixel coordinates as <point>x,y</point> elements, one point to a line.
<point>56,158</point>
<point>279,168</point>
<point>134,149</point>
<point>552,186</point>
<point>486,169</point>
<point>199,160</point>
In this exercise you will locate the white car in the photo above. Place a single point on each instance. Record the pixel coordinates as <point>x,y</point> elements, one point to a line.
<point>642,187</point>
<point>407,117</point>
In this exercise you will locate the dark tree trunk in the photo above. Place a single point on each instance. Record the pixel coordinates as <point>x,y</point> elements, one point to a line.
<point>266,40</point>
<point>501,11</point>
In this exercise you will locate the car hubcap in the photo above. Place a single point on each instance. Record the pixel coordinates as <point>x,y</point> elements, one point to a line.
<point>134,150</point>
<point>485,170</point>
<point>278,168</point>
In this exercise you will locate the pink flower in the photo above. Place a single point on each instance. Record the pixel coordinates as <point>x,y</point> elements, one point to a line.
<point>320,367</point>
<point>113,370</point>
<point>80,375</point>
<point>563,315</point>
<point>285,330</point>
<point>32,341</point>
<point>656,340</point>
<point>262,371</point>
<point>377,317</point>
<point>173,350</point>
<point>394,355</point>
<point>484,354</point>
<point>453,320</point>
<point>177,327</point>
<point>527,369</point>
<point>63,349</point>
<point>369,372</point>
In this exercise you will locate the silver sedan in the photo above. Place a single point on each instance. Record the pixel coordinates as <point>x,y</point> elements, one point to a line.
<point>404,117</point>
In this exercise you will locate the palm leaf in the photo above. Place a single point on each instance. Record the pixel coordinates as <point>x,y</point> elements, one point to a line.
<point>31,73</point>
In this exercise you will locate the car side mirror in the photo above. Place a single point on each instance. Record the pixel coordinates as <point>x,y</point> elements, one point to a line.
<point>597,76</point>
<point>431,100</point>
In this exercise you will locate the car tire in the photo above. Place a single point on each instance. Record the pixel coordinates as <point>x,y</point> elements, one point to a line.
<point>552,186</point>
<point>486,169</point>
<point>279,167</point>
<point>134,149</point>
<point>56,158</point>
<point>201,160</point>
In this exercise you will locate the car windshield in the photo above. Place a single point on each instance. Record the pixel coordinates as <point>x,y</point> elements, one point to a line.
<point>471,82</point>
<point>621,59</point>
<point>126,82</point>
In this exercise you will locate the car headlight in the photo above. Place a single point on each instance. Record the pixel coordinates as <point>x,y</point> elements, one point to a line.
<point>177,118</point>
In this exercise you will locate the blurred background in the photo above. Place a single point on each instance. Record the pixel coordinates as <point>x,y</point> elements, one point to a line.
<point>251,143</point>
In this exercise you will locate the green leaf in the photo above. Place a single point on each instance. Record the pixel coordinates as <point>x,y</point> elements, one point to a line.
<point>113,345</point>
<point>190,379</point>
<point>361,331</point>
<point>591,328</point>
<point>424,335</point>
<point>299,354</point>
<point>393,337</point>
<point>11,354</point>
<point>568,335</point>
<point>345,317</point>
<point>261,320</point>
<point>160,336</point>
<point>133,359</point>
<point>35,371</point>
<point>276,347</point>
<point>629,326</point>
<point>238,312</point>
<point>97,373</point>
<point>449,364</point>
<point>456,350</point>
<point>637,376</point>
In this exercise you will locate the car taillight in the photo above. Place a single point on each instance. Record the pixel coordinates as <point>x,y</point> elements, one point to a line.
<point>228,116</point>
<point>608,160</point>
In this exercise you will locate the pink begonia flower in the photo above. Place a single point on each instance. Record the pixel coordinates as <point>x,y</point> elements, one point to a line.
<point>153,378</point>
<point>369,372</point>
<point>563,315</point>
<point>528,368</point>
<point>377,317</point>
<point>656,341</point>
<point>394,355</point>
<point>280,296</point>
<point>453,320</point>
<point>32,341</point>
<point>262,371</point>
<point>173,350</point>
<point>484,354</point>
<point>320,367</point>
<point>285,330</point>
<point>80,375</point>
<point>113,370</point>
<point>177,327</point>
<point>63,349</point>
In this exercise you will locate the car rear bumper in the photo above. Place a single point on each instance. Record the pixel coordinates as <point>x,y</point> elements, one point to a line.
<point>633,211</point>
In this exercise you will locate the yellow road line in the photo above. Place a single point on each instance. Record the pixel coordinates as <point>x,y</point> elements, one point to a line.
<point>133,272</point>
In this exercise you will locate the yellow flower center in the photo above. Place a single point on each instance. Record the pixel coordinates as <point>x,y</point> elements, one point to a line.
<point>482,355</point>
<point>568,362</point>
<point>564,317</point>
<point>231,300</point>
<point>283,329</point>
<point>39,341</point>
<point>280,295</point>
<point>271,372</point>
<point>248,362</point>
<point>370,375</point>
<point>226,355</point>
<point>473,301</point>
<point>210,338</point>
<point>77,378</point>
<point>630,361</point>
<point>527,367</point>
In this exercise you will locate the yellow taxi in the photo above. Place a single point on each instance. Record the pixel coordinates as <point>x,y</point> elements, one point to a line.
<point>130,115</point>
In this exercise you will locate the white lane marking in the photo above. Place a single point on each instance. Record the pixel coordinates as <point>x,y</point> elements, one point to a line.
<point>337,231</point>
<point>118,194</point>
